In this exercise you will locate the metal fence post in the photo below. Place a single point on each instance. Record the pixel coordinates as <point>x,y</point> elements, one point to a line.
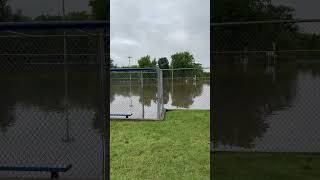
<point>142,94</point>
<point>161,89</point>
<point>158,95</point>
<point>104,97</point>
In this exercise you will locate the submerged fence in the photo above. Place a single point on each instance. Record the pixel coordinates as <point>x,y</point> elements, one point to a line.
<point>266,81</point>
<point>136,93</point>
<point>54,99</point>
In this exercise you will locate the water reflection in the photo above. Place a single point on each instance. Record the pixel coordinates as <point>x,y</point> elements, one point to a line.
<point>177,94</point>
<point>254,107</point>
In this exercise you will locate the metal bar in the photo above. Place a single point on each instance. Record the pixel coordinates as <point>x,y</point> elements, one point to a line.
<point>41,169</point>
<point>60,54</point>
<point>43,36</point>
<point>177,69</point>
<point>161,90</point>
<point>142,94</point>
<point>264,22</point>
<point>265,51</point>
<point>4,26</point>
<point>132,69</point>
<point>158,95</point>
<point>104,98</point>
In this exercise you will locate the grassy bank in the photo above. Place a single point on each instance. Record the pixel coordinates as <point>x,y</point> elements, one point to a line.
<point>266,166</point>
<point>176,148</point>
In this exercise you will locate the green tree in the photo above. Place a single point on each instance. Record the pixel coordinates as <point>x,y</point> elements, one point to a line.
<point>75,15</point>
<point>145,62</point>
<point>163,63</point>
<point>112,65</point>
<point>4,10</point>
<point>100,9</point>
<point>6,13</point>
<point>154,63</point>
<point>182,60</point>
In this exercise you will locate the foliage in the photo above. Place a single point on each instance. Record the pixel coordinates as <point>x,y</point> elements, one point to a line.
<point>145,62</point>
<point>182,60</point>
<point>249,10</point>
<point>6,13</point>
<point>112,65</point>
<point>163,63</point>
<point>100,9</point>
<point>258,37</point>
<point>75,15</point>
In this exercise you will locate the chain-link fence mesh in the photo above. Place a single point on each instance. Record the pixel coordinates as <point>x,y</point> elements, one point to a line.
<point>51,111</point>
<point>187,88</point>
<point>136,94</point>
<point>266,83</point>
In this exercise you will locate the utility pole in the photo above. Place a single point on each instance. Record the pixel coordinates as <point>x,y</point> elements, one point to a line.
<point>129,57</point>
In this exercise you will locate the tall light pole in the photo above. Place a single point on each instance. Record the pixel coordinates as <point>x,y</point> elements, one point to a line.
<point>129,57</point>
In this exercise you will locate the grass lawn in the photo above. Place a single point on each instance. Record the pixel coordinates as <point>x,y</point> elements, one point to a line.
<point>265,166</point>
<point>175,148</point>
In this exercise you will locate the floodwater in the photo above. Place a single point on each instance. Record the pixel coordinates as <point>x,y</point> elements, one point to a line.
<point>267,108</point>
<point>37,130</point>
<point>184,93</point>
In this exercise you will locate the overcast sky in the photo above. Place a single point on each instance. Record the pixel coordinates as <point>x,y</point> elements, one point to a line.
<point>159,29</point>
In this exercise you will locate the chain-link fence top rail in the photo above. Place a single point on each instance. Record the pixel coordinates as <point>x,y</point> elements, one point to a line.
<point>52,105</point>
<point>266,86</point>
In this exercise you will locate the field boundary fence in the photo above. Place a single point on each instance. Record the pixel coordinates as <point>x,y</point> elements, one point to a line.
<point>129,98</point>
<point>280,47</point>
<point>44,67</point>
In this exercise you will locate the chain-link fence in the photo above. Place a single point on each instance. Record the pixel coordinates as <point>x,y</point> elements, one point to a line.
<point>136,94</point>
<point>53,99</point>
<point>187,88</point>
<point>266,85</point>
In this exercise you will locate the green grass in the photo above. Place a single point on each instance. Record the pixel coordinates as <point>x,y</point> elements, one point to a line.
<point>175,148</point>
<point>266,166</point>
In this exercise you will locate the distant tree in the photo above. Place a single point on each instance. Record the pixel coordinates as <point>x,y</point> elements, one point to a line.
<point>48,18</point>
<point>4,10</point>
<point>78,15</point>
<point>154,63</point>
<point>6,13</point>
<point>145,62</point>
<point>182,60</point>
<point>100,9</point>
<point>112,65</point>
<point>18,16</point>
<point>163,63</point>
<point>75,15</point>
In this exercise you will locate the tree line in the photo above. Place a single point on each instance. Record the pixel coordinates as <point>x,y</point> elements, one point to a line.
<point>99,11</point>
<point>261,37</point>
<point>179,60</point>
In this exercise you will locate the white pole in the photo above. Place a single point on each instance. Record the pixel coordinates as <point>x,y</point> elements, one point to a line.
<point>65,76</point>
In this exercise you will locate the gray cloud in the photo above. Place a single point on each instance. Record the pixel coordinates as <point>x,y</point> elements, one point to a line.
<point>159,28</point>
